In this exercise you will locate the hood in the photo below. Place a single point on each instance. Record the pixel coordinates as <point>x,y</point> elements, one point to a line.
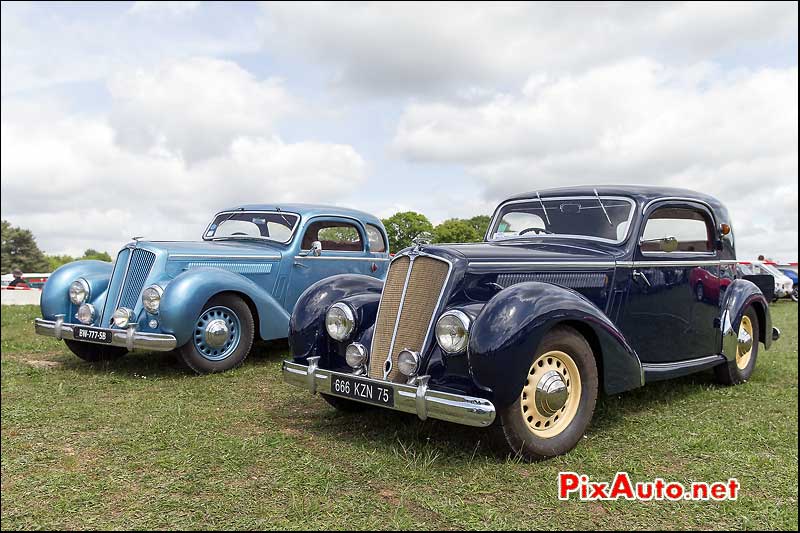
<point>189,250</point>
<point>478,254</point>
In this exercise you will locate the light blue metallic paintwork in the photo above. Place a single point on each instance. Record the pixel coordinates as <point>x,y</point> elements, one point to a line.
<point>264,272</point>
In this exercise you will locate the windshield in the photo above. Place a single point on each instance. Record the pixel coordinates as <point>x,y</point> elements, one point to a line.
<point>274,226</point>
<point>602,218</point>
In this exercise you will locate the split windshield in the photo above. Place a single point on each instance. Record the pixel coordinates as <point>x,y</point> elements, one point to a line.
<point>252,225</point>
<point>595,217</point>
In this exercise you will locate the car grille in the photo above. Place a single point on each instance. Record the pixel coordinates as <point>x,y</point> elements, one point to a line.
<point>407,309</point>
<point>138,270</point>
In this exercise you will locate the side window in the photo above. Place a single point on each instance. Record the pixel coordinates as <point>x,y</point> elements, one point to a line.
<point>690,227</point>
<point>334,235</point>
<point>376,241</point>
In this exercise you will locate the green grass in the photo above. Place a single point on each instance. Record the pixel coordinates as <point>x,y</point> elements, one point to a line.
<point>141,443</point>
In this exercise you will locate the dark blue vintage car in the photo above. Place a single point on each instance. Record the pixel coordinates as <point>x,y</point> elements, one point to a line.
<point>212,298</point>
<point>575,291</point>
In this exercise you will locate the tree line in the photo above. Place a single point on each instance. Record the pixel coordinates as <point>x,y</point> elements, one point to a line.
<point>19,248</point>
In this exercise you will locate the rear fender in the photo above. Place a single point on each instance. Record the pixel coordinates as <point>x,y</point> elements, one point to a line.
<point>507,332</point>
<point>739,295</point>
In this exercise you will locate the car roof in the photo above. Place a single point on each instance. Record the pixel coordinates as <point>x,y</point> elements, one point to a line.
<point>309,210</point>
<point>642,194</point>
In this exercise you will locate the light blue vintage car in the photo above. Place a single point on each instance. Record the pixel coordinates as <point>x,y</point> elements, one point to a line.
<point>210,299</point>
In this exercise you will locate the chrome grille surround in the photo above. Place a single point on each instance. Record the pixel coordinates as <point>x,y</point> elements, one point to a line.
<point>407,321</point>
<point>139,265</point>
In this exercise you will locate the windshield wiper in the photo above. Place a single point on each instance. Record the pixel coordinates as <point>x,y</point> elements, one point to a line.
<point>604,207</point>
<point>543,208</point>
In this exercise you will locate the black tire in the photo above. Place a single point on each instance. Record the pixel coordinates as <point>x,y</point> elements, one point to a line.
<point>794,293</point>
<point>344,405</point>
<point>95,352</point>
<point>729,373</point>
<point>519,434</point>
<point>199,362</point>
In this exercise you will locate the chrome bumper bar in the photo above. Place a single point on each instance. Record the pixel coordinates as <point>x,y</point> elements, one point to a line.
<point>125,338</point>
<point>420,400</point>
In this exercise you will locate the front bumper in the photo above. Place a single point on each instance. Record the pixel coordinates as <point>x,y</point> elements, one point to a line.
<point>423,402</point>
<point>125,338</point>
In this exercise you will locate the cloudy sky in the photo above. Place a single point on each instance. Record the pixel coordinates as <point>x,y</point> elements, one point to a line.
<point>145,118</point>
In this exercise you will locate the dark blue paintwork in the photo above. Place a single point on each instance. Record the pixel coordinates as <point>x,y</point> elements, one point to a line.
<point>516,290</point>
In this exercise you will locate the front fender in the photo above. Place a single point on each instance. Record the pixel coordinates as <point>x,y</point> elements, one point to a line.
<point>508,330</point>
<point>740,294</point>
<point>55,294</point>
<point>307,334</point>
<point>185,296</point>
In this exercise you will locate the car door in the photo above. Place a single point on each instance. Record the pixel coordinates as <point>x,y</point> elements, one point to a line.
<point>344,250</point>
<point>674,286</point>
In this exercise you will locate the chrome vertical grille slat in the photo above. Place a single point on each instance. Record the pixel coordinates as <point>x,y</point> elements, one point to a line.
<point>408,306</point>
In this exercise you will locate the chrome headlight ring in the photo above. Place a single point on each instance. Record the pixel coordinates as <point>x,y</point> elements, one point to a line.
<point>79,291</point>
<point>151,298</point>
<point>452,331</point>
<point>340,321</point>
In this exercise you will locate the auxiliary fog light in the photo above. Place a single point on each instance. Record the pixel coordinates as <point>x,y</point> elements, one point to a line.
<point>356,355</point>
<point>408,363</point>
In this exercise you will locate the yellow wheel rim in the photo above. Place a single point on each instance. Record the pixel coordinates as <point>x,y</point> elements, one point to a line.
<point>743,353</point>
<point>551,395</point>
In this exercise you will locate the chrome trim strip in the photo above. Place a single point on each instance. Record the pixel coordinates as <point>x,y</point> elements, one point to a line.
<point>422,401</point>
<point>291,235</point>
<point>224,257</point>
<point>124,278</point>
<point>635,264</point>
<point>126,338</point>
<point>377,259</point>
<point>676,365</point>
<point>589,237</point>
<point>545,264</point>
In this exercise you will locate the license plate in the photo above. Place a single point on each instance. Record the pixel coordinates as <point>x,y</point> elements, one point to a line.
<point>366,391</point>
<point>81,333</point>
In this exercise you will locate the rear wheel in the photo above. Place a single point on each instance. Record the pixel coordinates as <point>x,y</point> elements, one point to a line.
<point>741,367</point>
<point>222,336</point>
<point>794,293</point>
<point>95,352</point>
<point>557,401</point>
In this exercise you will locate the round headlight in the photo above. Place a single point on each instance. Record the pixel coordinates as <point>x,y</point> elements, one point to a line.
<point>151,298</point>
<point>356,355</point>
<point>78,291</point>
<point>408,363</point>
<point>122,317</point>
<point>85,314</point>
<point>340,321</point>
<point>452,331</point>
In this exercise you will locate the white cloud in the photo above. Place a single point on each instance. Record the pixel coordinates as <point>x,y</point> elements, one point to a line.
<point>195,107</point>
<point>435,47</point>
<point>163,7</point>
<point>732,134</point>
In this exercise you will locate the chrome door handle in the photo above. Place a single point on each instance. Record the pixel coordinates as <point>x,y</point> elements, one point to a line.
<point>637,274</point>
<point>299,264</point>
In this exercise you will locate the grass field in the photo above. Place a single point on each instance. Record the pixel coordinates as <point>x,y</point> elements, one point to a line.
<point>141,443</point>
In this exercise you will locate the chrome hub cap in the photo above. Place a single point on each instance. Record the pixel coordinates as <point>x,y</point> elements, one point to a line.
<point>744,350</point>
<point>216,333</point>
<point>551,395</point>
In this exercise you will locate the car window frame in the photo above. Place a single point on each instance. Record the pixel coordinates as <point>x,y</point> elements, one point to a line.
<point>336,218</point>
<point>680,203</point>
<point>257,211</point>
<point>383,235</point>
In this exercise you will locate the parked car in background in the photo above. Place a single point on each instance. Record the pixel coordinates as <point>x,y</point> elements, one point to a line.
<point>792,275</point>
<point>574,292</point>
<point>210,299</point>
<point>783,284</point>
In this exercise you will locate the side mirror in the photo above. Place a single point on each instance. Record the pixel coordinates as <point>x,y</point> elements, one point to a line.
<point>668,244</point>
<point>316,248</point>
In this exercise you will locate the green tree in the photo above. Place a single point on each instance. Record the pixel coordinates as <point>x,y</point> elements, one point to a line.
<point>481,224</point>
<point>91,253</point>
<point>456,230</point>
<point>404,227</point>
<point>19,250</point>
<point>59,260</point>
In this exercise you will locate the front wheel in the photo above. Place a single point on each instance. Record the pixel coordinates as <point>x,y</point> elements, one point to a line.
<point>222,336</point>
<point>95,352</point>
<point>557,401</point>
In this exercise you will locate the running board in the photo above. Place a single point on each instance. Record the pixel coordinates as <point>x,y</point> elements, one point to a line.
<point>661,371</point>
